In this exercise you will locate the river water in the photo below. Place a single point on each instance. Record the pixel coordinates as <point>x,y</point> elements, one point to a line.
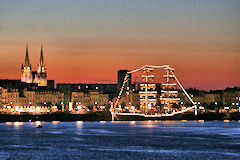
<point>121,140</point>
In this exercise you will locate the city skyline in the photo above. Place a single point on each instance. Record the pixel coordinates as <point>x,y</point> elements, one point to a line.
<point>85,43</point>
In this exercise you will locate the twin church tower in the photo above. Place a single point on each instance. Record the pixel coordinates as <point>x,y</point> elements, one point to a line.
<point>29,76</point>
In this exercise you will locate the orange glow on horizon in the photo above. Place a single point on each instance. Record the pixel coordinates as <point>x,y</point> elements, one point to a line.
<point>204,53</point>
<point>67,69</point>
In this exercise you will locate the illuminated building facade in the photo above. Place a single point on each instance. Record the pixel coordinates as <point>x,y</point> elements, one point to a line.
<point>82,87</point>
<point>231,96</point>
<point>30,100</point>
<point>30,76</point>
<point>89,99</point>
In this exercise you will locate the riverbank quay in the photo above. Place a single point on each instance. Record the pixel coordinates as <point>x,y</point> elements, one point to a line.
<point>209,116</point>
<point>106,116</point>
<point>58,116</point>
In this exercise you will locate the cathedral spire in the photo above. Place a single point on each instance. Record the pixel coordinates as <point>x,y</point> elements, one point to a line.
<point>27,62</point>
<point>41,57</point>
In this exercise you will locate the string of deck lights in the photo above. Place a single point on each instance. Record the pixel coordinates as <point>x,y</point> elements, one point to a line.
<point>173,75</point>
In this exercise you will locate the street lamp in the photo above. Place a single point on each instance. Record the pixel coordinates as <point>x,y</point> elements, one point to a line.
<point>62,106</point>
<point>237,104</point>
<point>45,104</point>
<point>201,107</point>
<point>195,108</point>
<point>133,107</point>
<point>11,104</point>
<point>233,104</point>
<point>79,107</point>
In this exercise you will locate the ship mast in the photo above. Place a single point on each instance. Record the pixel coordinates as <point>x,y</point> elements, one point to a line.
<point>169,94</point>
<point>147,91</point>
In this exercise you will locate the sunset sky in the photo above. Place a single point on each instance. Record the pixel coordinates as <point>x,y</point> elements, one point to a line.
<point>89,40</point>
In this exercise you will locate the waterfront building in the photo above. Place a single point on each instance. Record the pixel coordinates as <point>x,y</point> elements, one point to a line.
<point>30,76</point>
<point>231,96</point>
<point>211,97</point>
<point>106,88</point>
<point>51,97</point>
<point>90,98</point>
<point>225,97</point>
<point>68,88</point>
<point>11,97</point>
<point>26,98</point>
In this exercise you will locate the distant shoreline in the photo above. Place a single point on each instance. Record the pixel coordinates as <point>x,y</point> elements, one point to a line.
<point>106,116</point>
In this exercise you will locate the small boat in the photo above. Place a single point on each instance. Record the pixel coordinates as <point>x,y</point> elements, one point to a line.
<point>39,126</point>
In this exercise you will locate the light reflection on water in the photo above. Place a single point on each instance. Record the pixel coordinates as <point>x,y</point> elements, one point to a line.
<point>170,122</point>
<point>55,122</point>
<point>17,123</point>
<point>102,121</point>
<point>79,124</point>
<point>121,140</point>
<point>37,123</point>
<point>132,122</point>
<point>227,120</point>
<point>8,123</point>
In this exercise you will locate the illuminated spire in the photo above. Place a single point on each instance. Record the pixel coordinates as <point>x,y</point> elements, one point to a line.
<point>27,62</point>
<point>41,57</point>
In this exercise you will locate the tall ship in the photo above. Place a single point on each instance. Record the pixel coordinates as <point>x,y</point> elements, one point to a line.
<point>152,103</point>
